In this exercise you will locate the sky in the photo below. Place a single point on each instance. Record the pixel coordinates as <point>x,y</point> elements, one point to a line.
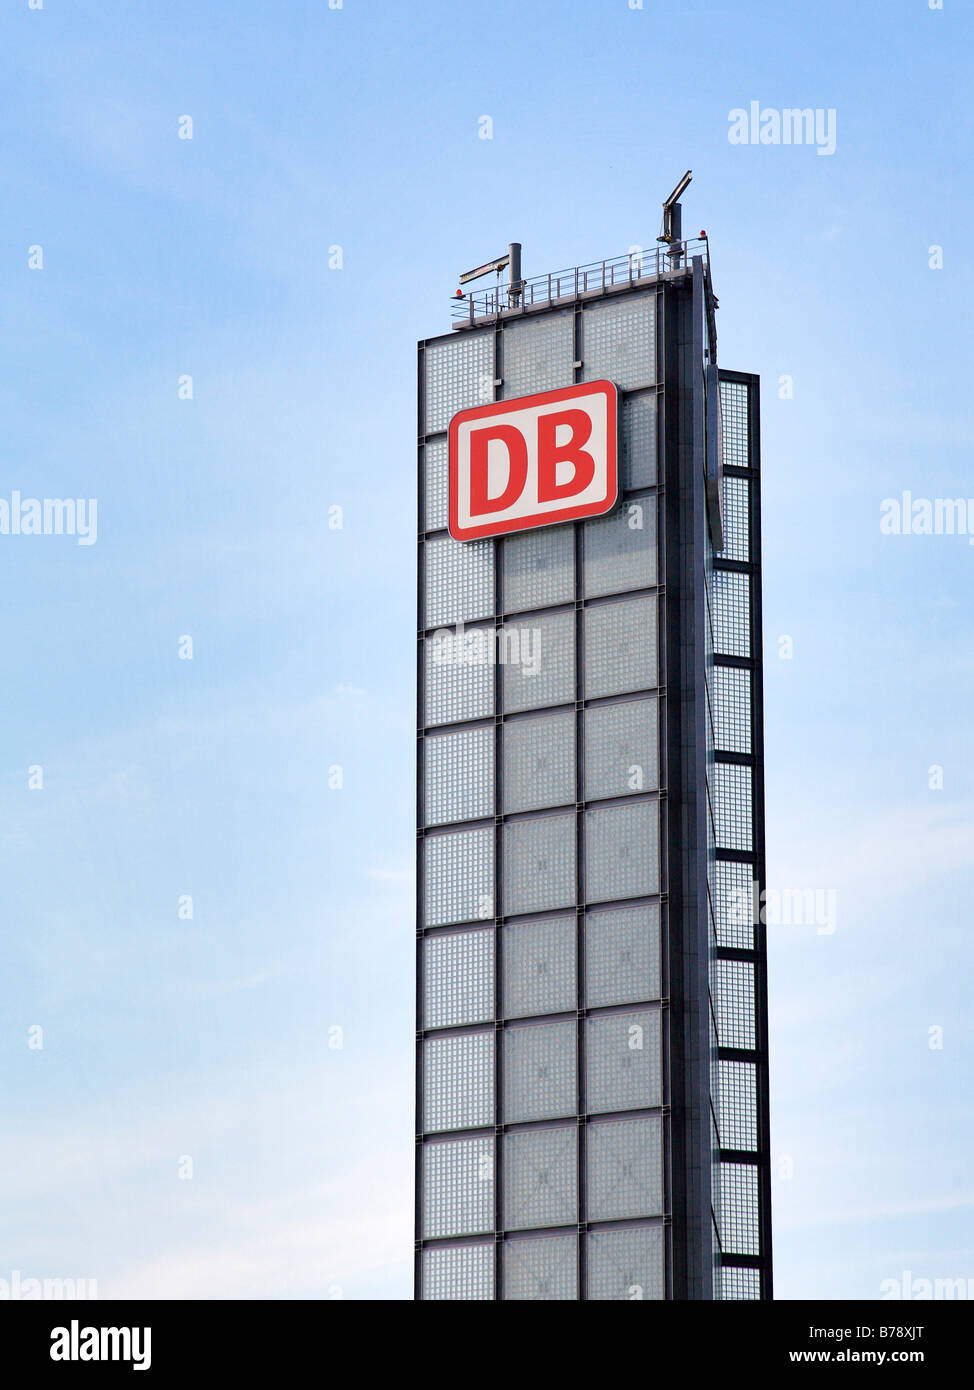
<point>214,338</point>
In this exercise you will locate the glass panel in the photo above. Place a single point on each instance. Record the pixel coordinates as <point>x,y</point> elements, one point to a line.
<point>459,676</point>
<point>731,611</point>
<point>539,864</point>
<point>458,978</point>
<point>538,656</point>
<point>436,484</point>
<point>737,544</point>
<point>459,374</point>
<point>732,805</point>
<point>740,1284</point>
<point>539,762</point>
<point>739,1226</point>
<point>538,568</point>
<point>620,647</point>
<point>621,851</point>
<point>733,982</point>
<point>537,354</point>
<point>622,955</point>
<point>737,1109</point>
<point>732,709</point>
<point>459,878</point>
<point>539,1072</point>
<point>458,1272</point>
<point>459,580</point>
<point>459,775</point>
<point>733,410</point>
<point>621,749</point>
<point>625,1265</point>
<point>638,461</point>
<point>539,967</point>
<point>624,1168</point>
<point>731,892</point>
<point>458,1082</point>
<point>622,1060</point>
<point>619,550</point>
<point>619,341</point>
<point>458,1187</point>
<point>542,1267</point>
<point>540,1178</point>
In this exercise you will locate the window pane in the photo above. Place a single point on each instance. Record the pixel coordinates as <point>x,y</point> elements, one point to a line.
<point>622,955</point>
<point>459,877</point>
<point>539,967</point>
<point>537,354</point>
<point>540,1178</point>
<point>459,374</point>
<point>458,978</point>
<point>619,550</point>
<point>538,568</point>
<point>539,864</point>
<point>624,1168</point>
<point>539,1072</point>
<point>622,1060</point>
<point>542,1267</point>
<point>619,341</point>
<point>620,647</point>
<point>458,1082</point>
<point>625,1265</point>
<point>538,661</point>
<point>459,775</point>
<point>539,762</point>
<point>457,1272</point>
<point>621,749</point>
<point>459,578</point>
<point>622,851</point>
<point>459,675</point>
<point>458,1187</point>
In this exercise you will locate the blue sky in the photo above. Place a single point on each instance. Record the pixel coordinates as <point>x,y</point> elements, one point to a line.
<point>214,1037</point>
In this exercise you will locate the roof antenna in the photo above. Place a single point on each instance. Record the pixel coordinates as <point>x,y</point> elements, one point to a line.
<point>673,222</point>
<point>512,260</point>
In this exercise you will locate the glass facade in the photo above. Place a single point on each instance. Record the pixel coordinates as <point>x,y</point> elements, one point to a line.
<point>547,949</point>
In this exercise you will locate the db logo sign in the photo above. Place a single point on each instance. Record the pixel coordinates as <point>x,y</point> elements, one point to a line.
<point>533,461</point>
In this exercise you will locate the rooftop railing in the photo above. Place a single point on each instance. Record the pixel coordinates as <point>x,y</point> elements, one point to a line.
<point>637,265</point>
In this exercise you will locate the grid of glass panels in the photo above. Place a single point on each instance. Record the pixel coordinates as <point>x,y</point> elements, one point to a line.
<point>623,1061</point>
<point>624,1168</point>
<point>458,878</point>
<point>731,707</point>
<point>733,812</point>
<point>436,484</point>
<point>622,955</point>
<point>737,1105</point>
<point>637,466</point>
